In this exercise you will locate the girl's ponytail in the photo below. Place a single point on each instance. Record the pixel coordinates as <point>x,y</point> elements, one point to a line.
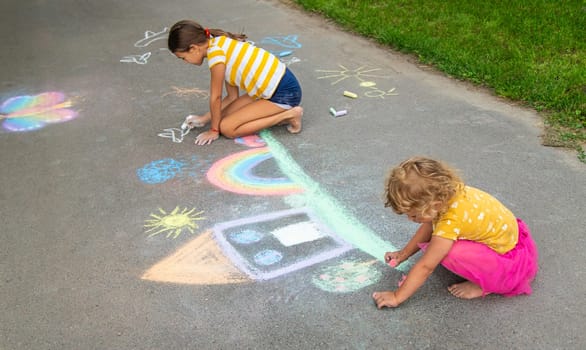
<point>220,32</point>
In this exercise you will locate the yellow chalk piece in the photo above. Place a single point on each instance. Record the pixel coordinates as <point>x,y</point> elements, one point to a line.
<point>350,94</point>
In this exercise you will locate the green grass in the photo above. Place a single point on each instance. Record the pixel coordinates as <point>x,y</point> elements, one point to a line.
<point>533,52</point>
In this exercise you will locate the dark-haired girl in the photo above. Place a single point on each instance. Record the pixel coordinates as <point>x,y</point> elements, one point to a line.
<point>272,93</point>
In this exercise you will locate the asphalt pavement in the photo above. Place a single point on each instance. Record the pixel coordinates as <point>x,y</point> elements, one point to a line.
<point>119,233</point>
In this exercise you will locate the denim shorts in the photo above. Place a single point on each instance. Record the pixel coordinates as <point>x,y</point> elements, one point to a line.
<point>288,92</point>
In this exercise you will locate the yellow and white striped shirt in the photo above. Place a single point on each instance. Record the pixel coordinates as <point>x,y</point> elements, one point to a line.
<point>248,67</point>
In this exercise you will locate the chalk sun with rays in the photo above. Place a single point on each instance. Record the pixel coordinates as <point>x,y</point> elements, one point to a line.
<point>173,223</point>
<point>361,74</point>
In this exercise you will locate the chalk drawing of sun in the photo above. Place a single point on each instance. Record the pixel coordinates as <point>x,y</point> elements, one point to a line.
<point>361,74</point>
<point>173,223</point>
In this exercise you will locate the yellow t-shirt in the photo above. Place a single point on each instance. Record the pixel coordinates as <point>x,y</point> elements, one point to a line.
<point>477,216</point>
<point>256,71</point>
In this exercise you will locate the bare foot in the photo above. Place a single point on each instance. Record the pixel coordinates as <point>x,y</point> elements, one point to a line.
<point>294,126</point>
<point>465,290</point>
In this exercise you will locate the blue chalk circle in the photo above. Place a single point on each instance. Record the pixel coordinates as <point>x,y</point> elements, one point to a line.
<point>160,171</point>
<point>246,236</point>
<point>268,257</point>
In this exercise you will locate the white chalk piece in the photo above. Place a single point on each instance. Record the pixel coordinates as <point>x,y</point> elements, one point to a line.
<point>350,94</point>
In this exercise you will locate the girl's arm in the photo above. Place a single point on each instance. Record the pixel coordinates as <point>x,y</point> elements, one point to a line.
<point>216,86</point>
<point>436,251</point>
<point>423,234</point>
<point>195,121</point>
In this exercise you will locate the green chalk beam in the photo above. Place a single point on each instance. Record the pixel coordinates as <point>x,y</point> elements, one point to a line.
<point>326,207</point>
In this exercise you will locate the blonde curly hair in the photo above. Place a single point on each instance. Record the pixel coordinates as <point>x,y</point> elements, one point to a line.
<point>419,182</point>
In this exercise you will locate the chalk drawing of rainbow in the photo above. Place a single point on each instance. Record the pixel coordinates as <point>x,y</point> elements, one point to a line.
<point>235,173</point>
<point>27,113</point>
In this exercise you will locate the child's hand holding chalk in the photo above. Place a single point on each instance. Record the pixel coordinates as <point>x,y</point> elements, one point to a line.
<point>392,259</point>
<point>193,121</point>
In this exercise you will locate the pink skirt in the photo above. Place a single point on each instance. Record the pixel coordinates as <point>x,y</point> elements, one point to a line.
<point>508,274</point>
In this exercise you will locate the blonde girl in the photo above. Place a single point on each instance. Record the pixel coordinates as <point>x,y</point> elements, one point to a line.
<point>272,93</point>
<point>466,230</point>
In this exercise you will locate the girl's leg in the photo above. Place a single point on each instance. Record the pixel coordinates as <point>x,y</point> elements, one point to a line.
<point>466,290</point>
<point>475,262</point>
<point>198,121</point>
<point>246,116</point>
<point>237,104</point>
<point>487,271</point>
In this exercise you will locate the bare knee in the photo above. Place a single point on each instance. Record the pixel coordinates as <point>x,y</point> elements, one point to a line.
<point>229,135</point>
<point>228,131</point>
